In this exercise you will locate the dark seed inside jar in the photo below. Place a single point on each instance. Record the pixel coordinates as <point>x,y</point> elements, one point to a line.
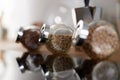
<point>59,43</point>
<point>30,39</point>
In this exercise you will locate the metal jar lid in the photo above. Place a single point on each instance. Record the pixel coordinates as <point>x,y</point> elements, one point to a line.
<point>20,34</point>
<point>45,30</point>
<point>87,13</point>
<point>29,37</point>
<point>80,34</point>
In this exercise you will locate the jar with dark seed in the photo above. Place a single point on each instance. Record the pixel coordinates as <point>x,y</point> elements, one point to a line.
<point>60,39</point>
<point>29,38</point>
<point>102,40</point>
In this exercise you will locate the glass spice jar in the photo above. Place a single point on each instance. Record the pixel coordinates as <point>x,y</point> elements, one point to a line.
<point>29,37</point>
<point>98,39</point>
<point>102,40</point>
<point>59,39</point>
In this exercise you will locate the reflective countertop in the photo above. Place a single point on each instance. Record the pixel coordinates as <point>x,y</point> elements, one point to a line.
<point>11,69</point>
<point>11,51</point>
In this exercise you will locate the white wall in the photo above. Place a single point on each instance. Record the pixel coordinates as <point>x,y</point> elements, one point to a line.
<point>21,13</point>
<point>24,12</point>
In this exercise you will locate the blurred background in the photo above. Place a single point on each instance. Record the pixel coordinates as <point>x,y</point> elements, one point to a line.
<point>17,13</point>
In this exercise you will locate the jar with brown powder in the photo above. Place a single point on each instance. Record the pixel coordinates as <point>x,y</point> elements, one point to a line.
<point>102,40</point>
<point>99,40</point>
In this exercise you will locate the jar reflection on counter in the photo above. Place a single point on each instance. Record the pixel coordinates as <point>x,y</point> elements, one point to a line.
<point>84,70</point>
<point>105,70</point>
<point>63,68</point>
<point>30,61</point>
<point>102,70</point>
<point>51,59</point>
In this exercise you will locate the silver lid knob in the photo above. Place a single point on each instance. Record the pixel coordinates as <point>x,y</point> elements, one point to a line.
<point>20,34</point>
<point>81,32</point>
<point>44,33</point>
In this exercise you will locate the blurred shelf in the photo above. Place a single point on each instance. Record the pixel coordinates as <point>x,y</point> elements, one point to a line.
<point>11,45</point>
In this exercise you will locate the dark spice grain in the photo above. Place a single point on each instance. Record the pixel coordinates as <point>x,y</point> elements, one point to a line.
<point>30,39</point>
<point>58,44</point>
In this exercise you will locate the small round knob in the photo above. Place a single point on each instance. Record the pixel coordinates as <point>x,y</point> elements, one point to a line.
<point>86,3</point>
<point>20,34</point>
